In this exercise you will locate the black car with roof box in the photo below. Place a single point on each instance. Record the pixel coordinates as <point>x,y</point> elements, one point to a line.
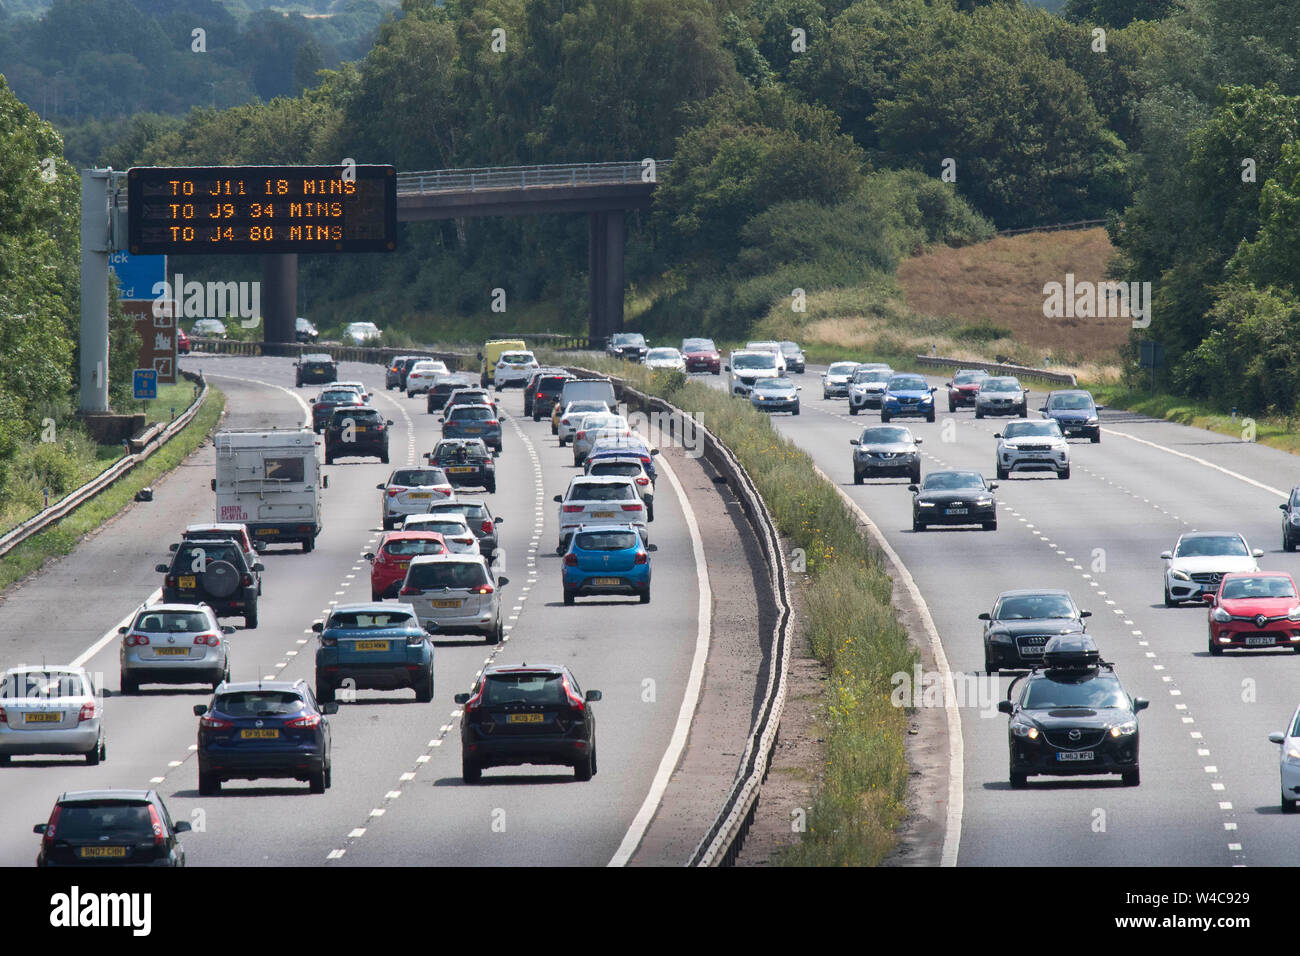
<point>316,369</point>
<point>214,572</point>
<point>110,828</point>
<point>1071,716</point>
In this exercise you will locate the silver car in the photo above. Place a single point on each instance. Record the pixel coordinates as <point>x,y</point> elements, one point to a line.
<point>454,528</point>
<point>598,424</point>
<point>867,387</point>
<point>628,467</point>
<point>410,491</point>
<point>50,710</point>
<point>835,380</point>
<point>174,644</point>
<point>455,594</point>
<point>571,418</point>
<point>886,450</point>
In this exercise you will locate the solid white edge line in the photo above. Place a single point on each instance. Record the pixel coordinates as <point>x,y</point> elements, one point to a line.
<point>956,747</point>
<point>1199,461</point>
<point>99,645</point>
<point>306,409</point>
<point>690,700</point>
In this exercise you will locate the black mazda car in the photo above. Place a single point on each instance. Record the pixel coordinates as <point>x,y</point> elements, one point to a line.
<point>954,497</point>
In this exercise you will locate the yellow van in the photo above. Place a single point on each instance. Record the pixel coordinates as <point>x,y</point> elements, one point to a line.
<point>492,351</point>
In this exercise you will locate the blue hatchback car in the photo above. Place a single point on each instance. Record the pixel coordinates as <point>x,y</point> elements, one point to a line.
<point>271,728</point>
<point>378,646</point>
<point>606,559</point>
<point>1076,413</point>
<point>907,394</point>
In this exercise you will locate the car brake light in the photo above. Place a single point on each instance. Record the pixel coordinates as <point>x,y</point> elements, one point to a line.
<point>641,557</point>
<point>329,642</point>
<point>575,701</point>
<point>571,560</point>
<point>643,480</point>
<point>4,718</point>
<point>393,492</point>
<point>247,580</point>
<point>48,839</point>
<point>169,581</point>
<point>87,712</point>
<point>156,822</point>
<point>539,394</point>
<point>572,509</point>
<point>305,722</point>
<point>486,527</point>
<point>409,591</point>
<point>492,422</point>
<point>136,640</point>
<point>482,589</point>
<point>208,722</point>
<point>211,640</point>
<point>582,434</point>
<point>564,421</point>
<point>631,507</point>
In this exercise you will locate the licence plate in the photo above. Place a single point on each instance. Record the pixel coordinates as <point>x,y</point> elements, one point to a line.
<point>607,582</point>
<point>957,511</point>
<point>473,431</point>
<point>268,530</point>
<point>460,469</point>
<point>1075,755</point>
<point>171,651</point>
<point>403,565</point>
<point>445,603</point>
<point>526,718</point>
<point>602,514</point>
<point>258,734</point>
<point>419,494</point>
<point>186,581</point>
<point>359,428</point>
<point>89,852</point>
<point>372,645</point>
<point>1266,640</point>
<point>43,717</point>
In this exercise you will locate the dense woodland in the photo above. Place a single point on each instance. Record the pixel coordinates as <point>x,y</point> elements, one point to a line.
<point>808,138</point>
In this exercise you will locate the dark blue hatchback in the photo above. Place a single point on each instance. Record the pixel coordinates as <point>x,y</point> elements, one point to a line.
<point>258,729</point>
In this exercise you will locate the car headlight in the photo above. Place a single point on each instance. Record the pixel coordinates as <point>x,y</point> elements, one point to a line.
<point>1179,575</point>
<point>983,502</point>
<point>1295,517</point>
<point>926,504</point>
<point>1292,755</point>
<point>1293,614</point>
<point>1223,617</point>
<point>1025,730</point>
<point>1091,421</point>
<point>1124,729</point>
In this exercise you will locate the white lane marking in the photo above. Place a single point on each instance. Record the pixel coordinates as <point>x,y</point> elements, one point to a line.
<point>690,700</point>
<point>98,646</point>
<point>1200,461</point>
<point>306,409</point>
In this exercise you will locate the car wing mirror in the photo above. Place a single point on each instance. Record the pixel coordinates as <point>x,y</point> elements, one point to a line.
<point>370,555</point>
<point>317,626</point>
<point>227,629</point>
<point>200,710</point>
<point>853,441</point>
<point>1167,555</point>
<point>1282,507</point>
<point>181,826</point>
<point>592,696</point>
<point>1085,614</point>
<point>1005,707</point>
<point>652,547</point>
<point>498,520</point>
<point>1276,737</point>
<point>913,488</point>
<point>1140,703</point>
<point>1208,597</point>
<point>380,487</point>
<point>986,616</point>
<point>259,566</point>
<point>161,568</point>
<point>993,486</point>
<point>558,498</point>
<point>173,546</point>
<point>461,698</point>
<point>1257,552</point>
<point>502,581</point>
<point>332,707</point>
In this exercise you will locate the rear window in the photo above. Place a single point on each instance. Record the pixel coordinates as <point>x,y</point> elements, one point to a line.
<point>343,395</point>
<point>44,684</point>
<point>524,689</point>
<point>552,385</point>
<point>586,492</point>
<point>607,540</point>
<point>410,546</point>
<point>371,620</point>
<point>457,574</point>
<point>472,512</point>
<point>359,416</point>
<point>120,822</point>
<point>172,622</point>
<point>516,357</point>
<point>283,469</point>
<point>192,557</point>
<point>419,478</point>
<point>470,413</point>
<point>259,703</point>
<point>625,469</point>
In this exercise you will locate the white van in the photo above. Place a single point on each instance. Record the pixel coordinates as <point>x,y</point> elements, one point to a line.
<point>743,368</point>
<point>270,481</point>
<point>588,389</point>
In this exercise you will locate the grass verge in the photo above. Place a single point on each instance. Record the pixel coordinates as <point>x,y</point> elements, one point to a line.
<point>853,628</point>
<point>60,539</point>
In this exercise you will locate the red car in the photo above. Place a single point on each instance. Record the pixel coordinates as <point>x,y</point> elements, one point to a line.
<point>1254,609</point>
<point>701,355</point>
<point>389,563</point>
<point>963,388</point>
<point>182,342</point>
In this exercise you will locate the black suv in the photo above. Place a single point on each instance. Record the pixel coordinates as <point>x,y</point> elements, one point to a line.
<point>356,431</point>
<point>1022,622</point>
<point>466,461</point>
<point>543,392</point>
<point>316,369</point>
<point>627,345</point>
<point>213,572</point>
<point>519,715</point>
<point>110,828</point>
<point>1071,716</point>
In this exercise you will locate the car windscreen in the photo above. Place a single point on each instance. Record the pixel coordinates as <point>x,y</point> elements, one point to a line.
<point>43,684</point>
<point>470,413</point>
<point>668,354</point>
<point>172,622</point>
<point>371,620</point>
<point>1257,587</point>
<point>418,477</point>
<point>501,689</point>
<point>775,384</point>
<point>873,375</point>
<point>120,822</point>
<point>629,338</point>
<point>698,345</point>
<point>968,378</point>
<point>409,546</point>
<point>1032,430</point>
<point>1045,693</point>
<point>449,574</point>
<point>789,348</point>
<point>1070,402</point>
<point>601,492</point>
<point>1034,607</point>
<point>259,703</point>
<point>999,385</point>
<point>1211,545</point>
<point>885,435</point>
<point>907,383</point>
<point>607,540</point>
<point>841,368</point>
<point>766,360</point>
<point>947,480</point>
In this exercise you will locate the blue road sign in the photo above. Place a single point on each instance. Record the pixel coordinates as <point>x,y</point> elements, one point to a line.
<point>145,383</point>
<point>136,275</point>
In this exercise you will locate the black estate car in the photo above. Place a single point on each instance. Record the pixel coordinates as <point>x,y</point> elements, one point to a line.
<point>954,497</point>
<point>356,430</point>
<point>1072,717</point>
<point>1022,622</point>
<point>110,828</point>
<point>315,369</point>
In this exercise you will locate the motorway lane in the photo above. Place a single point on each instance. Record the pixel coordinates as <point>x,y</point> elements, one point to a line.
<point>289,826</point>
<point>1209,791</point>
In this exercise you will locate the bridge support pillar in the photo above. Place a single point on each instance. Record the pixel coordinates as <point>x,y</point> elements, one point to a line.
<point>279,300</point>
<point>605,236</point>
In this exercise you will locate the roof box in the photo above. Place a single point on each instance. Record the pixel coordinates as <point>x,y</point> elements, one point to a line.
<point>1071,650</point>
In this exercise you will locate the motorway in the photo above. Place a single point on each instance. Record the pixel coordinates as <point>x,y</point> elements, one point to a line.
<point>1209,791</point>
<point>397,795</point>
